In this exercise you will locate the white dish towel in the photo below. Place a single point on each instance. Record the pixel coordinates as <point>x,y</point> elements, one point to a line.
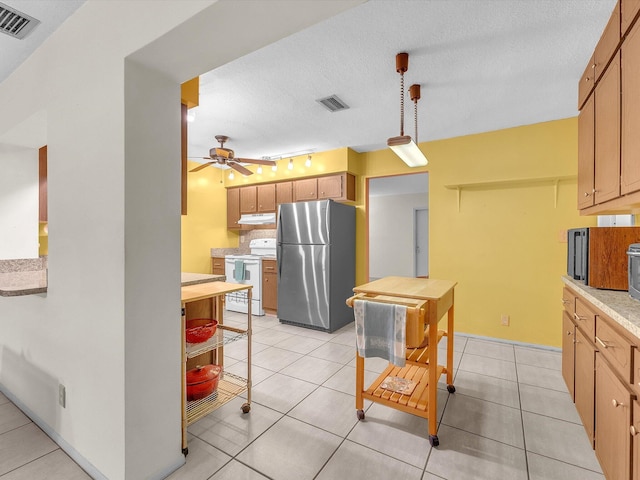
<point>381,330</point>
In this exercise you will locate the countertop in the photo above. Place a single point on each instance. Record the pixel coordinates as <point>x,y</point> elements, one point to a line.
<point>616,304</point>
<point>23,276</point>
<point>197,278</point>
<point>29,282</point>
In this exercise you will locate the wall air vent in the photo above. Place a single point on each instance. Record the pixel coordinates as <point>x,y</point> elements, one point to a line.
<point>333,103</point>
<point>15,23</point>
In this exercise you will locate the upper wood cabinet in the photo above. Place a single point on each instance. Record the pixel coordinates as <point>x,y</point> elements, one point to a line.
<point>607,134</point>
<point>248,199</point>
<point>265,198</point>
<point>284,192</point>
<point>340,187</point>
<point>610,117</point>
<point>42,184</point>
<point>305,189</point>
<point>608,43</point>
<point>266,195</point>
<point>630,155</point>
<point>629,9</point>
<point>586,142</point>
<point>233,207</point>
<point>587,82</point>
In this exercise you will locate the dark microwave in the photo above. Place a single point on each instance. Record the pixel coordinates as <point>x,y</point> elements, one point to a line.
<point>597,256</point>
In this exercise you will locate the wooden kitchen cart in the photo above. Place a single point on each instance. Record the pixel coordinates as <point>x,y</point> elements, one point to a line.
<point>206,300</point>
<point>427,300</point>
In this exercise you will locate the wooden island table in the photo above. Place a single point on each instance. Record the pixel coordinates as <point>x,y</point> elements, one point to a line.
<point>427,300</point>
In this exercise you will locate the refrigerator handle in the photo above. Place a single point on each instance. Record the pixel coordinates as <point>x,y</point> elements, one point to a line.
<point>279,244</point>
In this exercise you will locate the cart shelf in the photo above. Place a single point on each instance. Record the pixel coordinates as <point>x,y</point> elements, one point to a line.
<point>229,387</point>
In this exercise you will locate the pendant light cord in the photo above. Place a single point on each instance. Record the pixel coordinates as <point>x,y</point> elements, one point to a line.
<point>401,104</point>
<point>415,116</point>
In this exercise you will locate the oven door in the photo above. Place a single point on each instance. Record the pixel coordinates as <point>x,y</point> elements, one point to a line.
<point>243,270</point>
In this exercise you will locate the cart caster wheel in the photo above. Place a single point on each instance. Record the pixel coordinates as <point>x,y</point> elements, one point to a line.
<point>185,451</point>
<point>451,389</point>
<point>433,440</point>
<point>360,414</point>
<point>245,408</point>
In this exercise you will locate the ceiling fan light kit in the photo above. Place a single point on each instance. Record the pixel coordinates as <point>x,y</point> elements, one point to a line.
<point>404,146</point>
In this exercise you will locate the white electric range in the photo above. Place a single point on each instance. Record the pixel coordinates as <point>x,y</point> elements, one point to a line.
<point>247,270</point>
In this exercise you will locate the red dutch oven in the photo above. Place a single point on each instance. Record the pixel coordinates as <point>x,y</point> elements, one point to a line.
<point>200,330</point>
<point>202,381</point>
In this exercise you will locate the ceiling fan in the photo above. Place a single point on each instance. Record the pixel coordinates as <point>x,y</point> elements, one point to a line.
<point>225,156</point>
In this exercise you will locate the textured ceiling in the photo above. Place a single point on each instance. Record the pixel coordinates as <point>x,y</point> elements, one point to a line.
<point>51,13</point>
<point>482,64</point>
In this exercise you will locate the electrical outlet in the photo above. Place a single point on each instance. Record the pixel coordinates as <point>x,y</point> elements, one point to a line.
<point>562,236</point>
<point>62,396</point>
<point>504,320</point>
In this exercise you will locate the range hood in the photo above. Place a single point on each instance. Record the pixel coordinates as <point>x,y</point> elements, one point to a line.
<point>258,219</point>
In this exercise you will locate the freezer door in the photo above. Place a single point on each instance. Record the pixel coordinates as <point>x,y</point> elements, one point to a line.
<point>303,285</point>
<point>304,223</point>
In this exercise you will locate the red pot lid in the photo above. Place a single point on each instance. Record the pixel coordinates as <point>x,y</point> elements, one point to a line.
<point>203,374</point>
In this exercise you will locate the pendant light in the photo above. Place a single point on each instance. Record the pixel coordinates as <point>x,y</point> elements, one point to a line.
<point>403,145</point>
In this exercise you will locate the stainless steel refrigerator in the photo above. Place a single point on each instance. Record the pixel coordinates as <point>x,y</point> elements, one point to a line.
<point>316,263</point>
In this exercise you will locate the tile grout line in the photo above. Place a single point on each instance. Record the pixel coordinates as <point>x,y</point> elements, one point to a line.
<point>524,437</point>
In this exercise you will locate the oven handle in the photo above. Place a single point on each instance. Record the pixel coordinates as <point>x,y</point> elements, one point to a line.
<point>633,254</point>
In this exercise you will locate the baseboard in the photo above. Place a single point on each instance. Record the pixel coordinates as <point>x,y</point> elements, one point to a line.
<point>510,342</point>
<point>86,465</point>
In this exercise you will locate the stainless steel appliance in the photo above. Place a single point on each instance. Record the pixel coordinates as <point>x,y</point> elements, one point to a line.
<point>247,270</point>
<point>316,263</point>
<point>597,255</point>
<point>634,270</point>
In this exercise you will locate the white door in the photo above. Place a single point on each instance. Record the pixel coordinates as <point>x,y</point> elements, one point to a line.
<point>421,229</point>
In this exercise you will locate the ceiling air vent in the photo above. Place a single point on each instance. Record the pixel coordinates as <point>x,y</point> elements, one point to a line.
<point>15,23</point>
<point>333,103</point>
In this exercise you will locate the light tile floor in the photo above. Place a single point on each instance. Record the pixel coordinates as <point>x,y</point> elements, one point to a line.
<point>510,418</point>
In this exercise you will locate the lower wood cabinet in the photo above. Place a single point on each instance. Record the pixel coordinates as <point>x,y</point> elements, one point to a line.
<point>605,383</point>
<point>584,382</point>
<point>568,352</point>
<point>635,440</point>
<point>613,420</point>
<point>217,266</point>
<point>269,286</point>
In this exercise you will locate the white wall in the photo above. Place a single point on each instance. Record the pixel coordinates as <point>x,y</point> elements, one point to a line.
<point>18,203</point>
<point>108,327</point>
<point>391,234</point>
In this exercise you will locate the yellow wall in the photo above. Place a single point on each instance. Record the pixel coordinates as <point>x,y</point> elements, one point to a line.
<point>205,225</point>
<point>503,247</point>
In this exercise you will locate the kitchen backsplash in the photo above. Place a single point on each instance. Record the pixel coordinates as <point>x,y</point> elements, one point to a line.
<point>243,244</point>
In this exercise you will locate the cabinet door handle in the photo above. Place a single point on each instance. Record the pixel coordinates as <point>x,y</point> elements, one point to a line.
<point>633,430</point>
<point>587,194</point>
<point>604,345</point>
<point>565,302</point>
<point>568,332</point>
<point>579,317</point>
<point>616,403</point>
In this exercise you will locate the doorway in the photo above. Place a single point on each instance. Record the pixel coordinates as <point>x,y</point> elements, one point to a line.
<point>397,206</point>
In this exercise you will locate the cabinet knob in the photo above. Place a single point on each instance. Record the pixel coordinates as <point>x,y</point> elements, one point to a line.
<point>587,194</point>
<point>568,332</point>
<point>587,79</point>
<point>616,403</point>
<point>633,430</point>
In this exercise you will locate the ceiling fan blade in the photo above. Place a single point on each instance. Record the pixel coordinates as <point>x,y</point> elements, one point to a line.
<point>255,161</point>
<point>240,168</point>
<point>200,167</point>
